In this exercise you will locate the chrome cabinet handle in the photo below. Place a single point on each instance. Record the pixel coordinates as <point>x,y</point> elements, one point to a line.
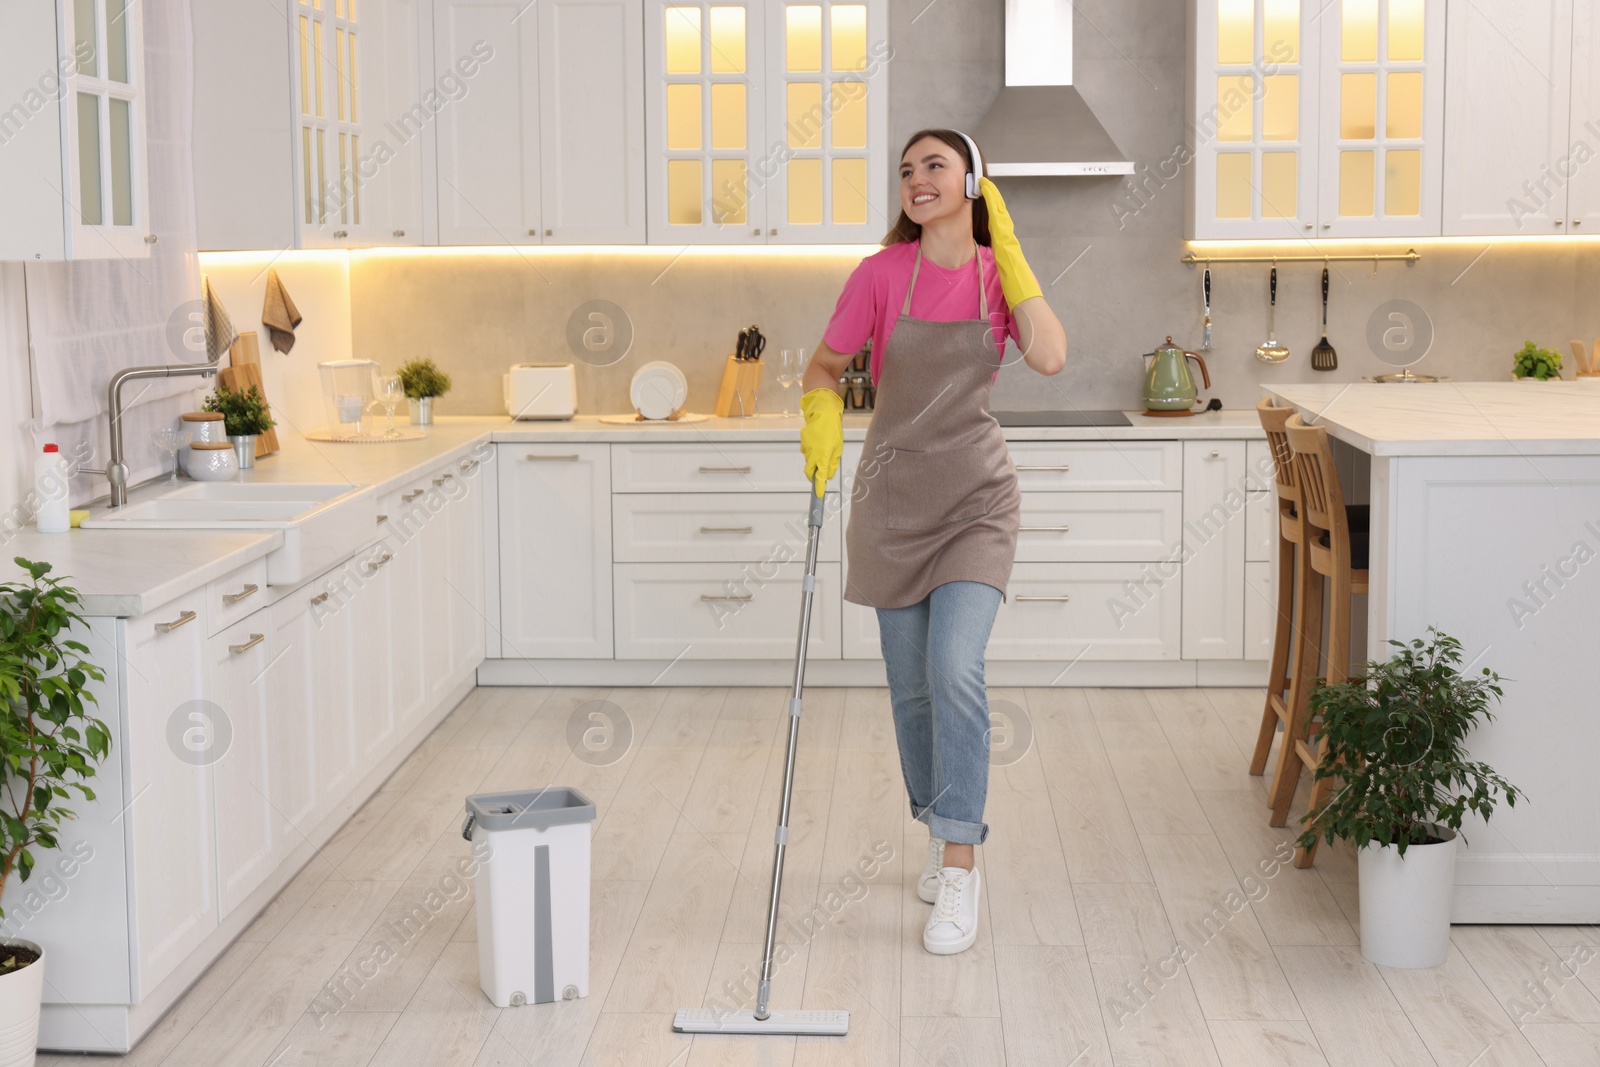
<point>1063,598</point>
<point>382,519</point>
<point>468,465</point>
<point>374,564</point>
<point>1044,467</point>
<point>1046,529</point>
<point>444,478</point>
<point>255,639</point>
<point>320,598</point>
<point>341,234</point>
<point>399,233</point>
<point>409,497</point>
<point>746,597</point>
<point>183,619</point>
<point>250,589</point>
<point>535,456</point>
<point>727,529</point>
<point>724,470</point>
<point>1216,453</point>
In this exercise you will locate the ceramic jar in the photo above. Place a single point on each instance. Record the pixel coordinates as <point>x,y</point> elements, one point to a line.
<point>212,461</point>
<point>206,427</point>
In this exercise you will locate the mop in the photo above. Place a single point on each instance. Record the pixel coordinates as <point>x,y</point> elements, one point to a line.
<point>763,1020</point>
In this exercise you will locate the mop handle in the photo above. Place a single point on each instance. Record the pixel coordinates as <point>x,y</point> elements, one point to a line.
<point>813,532</point>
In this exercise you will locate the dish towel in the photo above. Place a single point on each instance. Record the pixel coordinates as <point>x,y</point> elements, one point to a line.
<point>279,315</point>
<point>220,331</point>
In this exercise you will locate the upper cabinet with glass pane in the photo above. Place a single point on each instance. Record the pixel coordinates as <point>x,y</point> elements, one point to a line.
<point>766,122</point>
<point>1316,120</point>
<point>72,144</point>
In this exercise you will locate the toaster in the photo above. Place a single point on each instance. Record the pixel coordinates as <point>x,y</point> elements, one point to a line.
<point>541,391</point>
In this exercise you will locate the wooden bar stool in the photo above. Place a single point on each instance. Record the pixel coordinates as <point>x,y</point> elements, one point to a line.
<point>1280,677</point>
<point>1332,552</point>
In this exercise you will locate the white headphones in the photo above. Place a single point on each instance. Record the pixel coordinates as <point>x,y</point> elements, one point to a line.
<point>973,192</point>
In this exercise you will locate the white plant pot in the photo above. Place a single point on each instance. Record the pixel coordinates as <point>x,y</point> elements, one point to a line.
<point>1405,903</point>
<point>19,1010</point>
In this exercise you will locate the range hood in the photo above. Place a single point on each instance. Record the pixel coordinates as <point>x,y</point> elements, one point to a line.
<point>1039,125</point>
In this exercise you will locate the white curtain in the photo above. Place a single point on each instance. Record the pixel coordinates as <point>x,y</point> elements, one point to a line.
<point>91,318</point>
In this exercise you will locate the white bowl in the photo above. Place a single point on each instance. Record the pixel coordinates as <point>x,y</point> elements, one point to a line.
<point>658,389</point>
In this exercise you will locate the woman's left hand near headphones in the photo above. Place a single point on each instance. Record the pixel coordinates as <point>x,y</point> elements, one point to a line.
<point>1016,277</point>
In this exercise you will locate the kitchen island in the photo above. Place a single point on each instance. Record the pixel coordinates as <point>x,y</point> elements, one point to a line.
<point>1486,524</point>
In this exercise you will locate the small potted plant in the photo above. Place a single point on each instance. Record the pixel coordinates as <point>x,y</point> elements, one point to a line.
<point>49,743</point>
<point>1395,737</point>
<point>1532,363</point>
<point>244,416</point>
<point>422,380</point>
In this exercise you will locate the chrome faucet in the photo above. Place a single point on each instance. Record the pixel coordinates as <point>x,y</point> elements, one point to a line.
<point>116,471</point>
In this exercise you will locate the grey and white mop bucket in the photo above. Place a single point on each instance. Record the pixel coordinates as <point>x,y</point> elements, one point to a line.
<point>532,893</point>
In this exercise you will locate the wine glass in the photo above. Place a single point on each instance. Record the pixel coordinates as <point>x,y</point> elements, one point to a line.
<point>791,369</point>
<point>169,441</point>
<point>390,392</point>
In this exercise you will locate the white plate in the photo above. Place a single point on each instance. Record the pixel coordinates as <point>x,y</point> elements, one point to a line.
<point>658,389</point>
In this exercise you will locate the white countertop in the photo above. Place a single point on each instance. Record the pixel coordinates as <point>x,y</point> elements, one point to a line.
<point>1456,418</point>
<point>129,572</point>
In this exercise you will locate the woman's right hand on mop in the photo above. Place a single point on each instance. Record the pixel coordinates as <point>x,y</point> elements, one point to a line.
<point>822,438</point>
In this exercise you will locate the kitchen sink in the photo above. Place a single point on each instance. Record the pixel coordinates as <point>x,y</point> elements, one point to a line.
<point>321,523</point>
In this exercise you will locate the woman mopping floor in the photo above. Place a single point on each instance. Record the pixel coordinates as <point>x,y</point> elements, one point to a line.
<point>933,514</point>
<point>934,507</point>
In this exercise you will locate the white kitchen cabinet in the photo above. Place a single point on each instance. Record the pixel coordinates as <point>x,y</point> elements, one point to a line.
<point>1316,120</point>
<point>555,550</point>
<point>310,124</point>
<point>362,590</point>
<point>317,642</point>
<point>488,141</point>
<point>767,121</point>
<point>74,159</point>
<point>171,738</point>
<point>1260,609</point>
<point>464,568</point>
<point>591,121</point>
<point>724,611</point>
<point>712,527</point>
<point>1072,611</point>
<point>1583,187</point>
<point>249,830</point>
<point>1099,527</point>
<point>1510,92</point>
<point>434,547</point>
<point>1214,505</point>
<point>403,566</point>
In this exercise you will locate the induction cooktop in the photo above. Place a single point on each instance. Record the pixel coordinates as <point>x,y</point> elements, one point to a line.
<point>1074,417</point>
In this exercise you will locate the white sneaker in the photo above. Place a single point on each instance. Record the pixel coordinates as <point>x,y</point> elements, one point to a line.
<point>953,926</point>
<point>928,884</point>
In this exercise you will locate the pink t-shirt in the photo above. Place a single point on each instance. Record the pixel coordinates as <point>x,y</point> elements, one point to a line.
<point>872,298</point>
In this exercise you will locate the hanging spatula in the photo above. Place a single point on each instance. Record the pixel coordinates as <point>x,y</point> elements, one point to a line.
<point>1323,357</point>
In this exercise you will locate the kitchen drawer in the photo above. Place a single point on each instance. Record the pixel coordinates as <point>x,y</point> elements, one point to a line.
<point>1095,611</point>
<point>1100,527</point>
<point>716,527</point>
<point>662,610</point>
<point>1260,526</point>
<point>733,467</point>
<point>1117,466</point>
<point>231,598</point>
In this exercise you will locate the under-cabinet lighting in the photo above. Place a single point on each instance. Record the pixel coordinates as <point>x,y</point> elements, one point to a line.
<point>1357,245</point>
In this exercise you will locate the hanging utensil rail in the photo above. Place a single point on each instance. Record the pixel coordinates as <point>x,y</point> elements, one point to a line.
<point>1410,255</point>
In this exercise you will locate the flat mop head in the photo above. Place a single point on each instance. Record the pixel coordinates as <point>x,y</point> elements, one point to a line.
<point>802,1023</point>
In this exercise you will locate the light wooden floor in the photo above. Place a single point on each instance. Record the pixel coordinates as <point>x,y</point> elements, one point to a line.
<point>1129,827</point>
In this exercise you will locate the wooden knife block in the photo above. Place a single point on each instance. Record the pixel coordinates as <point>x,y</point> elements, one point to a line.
<point>741,378</point>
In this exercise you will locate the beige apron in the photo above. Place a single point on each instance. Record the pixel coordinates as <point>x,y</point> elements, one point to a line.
<point>935,498</point>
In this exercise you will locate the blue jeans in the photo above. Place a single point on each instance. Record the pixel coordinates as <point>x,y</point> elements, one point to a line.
<point>934,653</point>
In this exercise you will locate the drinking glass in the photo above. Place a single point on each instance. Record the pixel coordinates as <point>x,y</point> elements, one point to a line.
<point>791,369</point>
<point>390,394</point>
<point>169,441</point>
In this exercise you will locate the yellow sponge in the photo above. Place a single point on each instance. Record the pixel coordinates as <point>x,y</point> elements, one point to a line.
<point>77,517</point>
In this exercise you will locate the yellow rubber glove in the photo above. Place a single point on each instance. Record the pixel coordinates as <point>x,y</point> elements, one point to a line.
<point>822,438</point>
<point>1016,277</point>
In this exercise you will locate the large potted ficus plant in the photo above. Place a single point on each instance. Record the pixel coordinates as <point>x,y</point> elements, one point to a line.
<point>1395,737</point>
<point>49,744</point>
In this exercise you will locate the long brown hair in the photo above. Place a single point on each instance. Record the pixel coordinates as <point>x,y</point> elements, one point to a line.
<point>906,230</point>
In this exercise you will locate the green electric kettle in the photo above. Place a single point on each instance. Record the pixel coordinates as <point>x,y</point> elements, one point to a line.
<point>1169,388</point>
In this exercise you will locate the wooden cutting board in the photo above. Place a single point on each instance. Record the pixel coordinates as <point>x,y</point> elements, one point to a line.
<point>243,372</point>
